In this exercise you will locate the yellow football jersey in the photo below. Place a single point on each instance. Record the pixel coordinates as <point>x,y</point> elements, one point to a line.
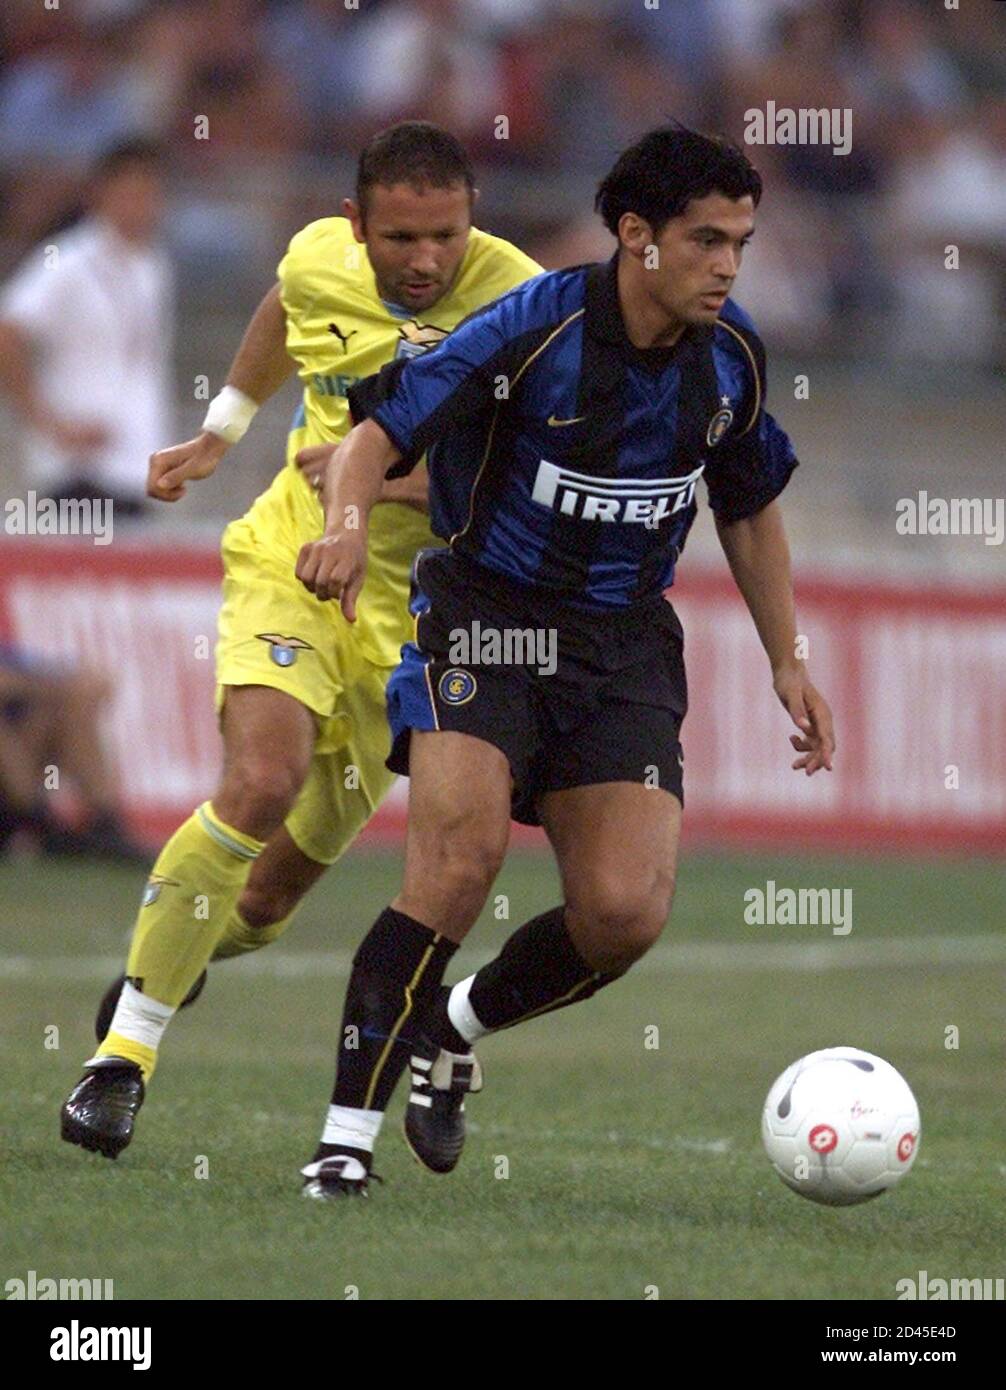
<point>338,331</point>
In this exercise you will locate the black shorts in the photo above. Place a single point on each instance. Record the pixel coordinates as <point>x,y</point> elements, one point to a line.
<point>572,696</point>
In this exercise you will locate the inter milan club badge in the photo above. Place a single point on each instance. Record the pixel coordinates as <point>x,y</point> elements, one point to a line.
<point>283,650</point>
<point>456,687</point>
<point>720,423</point>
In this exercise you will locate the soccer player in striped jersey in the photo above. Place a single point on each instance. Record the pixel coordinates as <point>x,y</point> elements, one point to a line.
<point>566,496</point>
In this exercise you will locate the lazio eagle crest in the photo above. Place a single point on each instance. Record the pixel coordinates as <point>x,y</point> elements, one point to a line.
<point>153,889</point>
<point>283,650</point>
<point>416,338</point>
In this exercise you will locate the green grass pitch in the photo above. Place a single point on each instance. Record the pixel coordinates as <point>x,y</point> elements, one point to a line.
<point>597,1166</point>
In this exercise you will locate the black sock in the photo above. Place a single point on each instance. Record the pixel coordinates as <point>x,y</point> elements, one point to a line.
<point>538,970</point>
<point>439,1027</point>
<point>396,972</point>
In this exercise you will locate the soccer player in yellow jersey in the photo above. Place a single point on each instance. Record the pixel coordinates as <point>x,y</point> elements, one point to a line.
<point>300,691</point>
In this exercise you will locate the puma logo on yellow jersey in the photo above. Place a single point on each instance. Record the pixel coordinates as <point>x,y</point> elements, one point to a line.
<point>342,337</point>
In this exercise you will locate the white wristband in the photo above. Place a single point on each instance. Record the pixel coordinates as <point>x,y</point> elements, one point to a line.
<point>229,414</point>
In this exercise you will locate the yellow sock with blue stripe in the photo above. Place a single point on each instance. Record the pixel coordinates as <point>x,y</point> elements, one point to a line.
<point>190,897</point>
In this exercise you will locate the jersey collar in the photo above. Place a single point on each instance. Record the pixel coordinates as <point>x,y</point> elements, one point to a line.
<point>604,321</point>
<point>397,311</point>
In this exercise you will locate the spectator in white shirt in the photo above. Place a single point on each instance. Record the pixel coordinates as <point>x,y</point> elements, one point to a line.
<point>85,340</point>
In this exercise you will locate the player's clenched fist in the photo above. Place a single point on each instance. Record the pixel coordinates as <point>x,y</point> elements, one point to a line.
<point>170,469</point>
<point>335,567</point>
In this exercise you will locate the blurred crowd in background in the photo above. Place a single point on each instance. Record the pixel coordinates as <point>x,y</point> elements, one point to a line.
<point>290,88</point>
<point>849,262</point>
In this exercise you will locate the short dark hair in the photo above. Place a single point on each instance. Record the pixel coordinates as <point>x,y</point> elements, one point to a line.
<point>138,149</point>
<point>414,152</point>
<point>658,177</point>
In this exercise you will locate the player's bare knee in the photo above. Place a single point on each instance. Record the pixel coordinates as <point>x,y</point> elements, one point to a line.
<point>457,863</point>
<point>258,793</point>
<point>614,929</point>
<point>260,908</point>
<point>467,867</point>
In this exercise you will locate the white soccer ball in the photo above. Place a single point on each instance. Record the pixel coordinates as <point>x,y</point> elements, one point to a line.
<point>840,1126</point>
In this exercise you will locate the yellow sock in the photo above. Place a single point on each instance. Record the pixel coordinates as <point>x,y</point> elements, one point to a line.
<point>116,1045</point>
<point>239,938</point>
<point>189,899</point>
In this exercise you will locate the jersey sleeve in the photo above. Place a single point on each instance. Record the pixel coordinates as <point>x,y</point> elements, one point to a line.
<point>295,284</point>
<point>752,465</point>
<point>460,382</point>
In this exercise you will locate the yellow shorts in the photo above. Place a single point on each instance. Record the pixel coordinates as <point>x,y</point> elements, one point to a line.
<point>273,632</point>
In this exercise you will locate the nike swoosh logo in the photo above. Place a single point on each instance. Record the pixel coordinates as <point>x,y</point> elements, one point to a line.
<point>575,420</point>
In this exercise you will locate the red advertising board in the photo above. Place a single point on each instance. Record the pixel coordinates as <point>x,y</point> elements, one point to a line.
<point>916,675</point>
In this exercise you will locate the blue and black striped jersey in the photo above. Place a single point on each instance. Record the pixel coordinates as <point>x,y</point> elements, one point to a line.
<point>562,456</point>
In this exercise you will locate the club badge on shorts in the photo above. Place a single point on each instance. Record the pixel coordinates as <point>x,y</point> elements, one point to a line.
<point>153,889</point>
<point>456,687</point>
<point>283,650</point>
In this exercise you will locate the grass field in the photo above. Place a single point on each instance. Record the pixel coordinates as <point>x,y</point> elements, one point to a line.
<point>628,1166</point>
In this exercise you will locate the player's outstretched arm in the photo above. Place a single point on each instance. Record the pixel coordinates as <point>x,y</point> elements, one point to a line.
<point>335,565</point>
<point>758,553</point>
<point>259,369</point>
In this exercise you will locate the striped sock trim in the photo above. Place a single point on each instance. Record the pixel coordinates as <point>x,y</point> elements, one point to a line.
<point>236,842</point>
<point>410,989</point>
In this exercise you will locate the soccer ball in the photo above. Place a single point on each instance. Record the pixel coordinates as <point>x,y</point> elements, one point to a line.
<point>840,1126</point>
